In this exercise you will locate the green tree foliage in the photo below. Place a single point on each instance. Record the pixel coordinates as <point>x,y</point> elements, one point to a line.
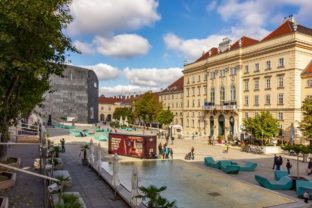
<point>33,47</point>
<point>165,117</point>
<point>147,107</point>
<point>123,112</point>
<point>306,123</point>
<point>151,194</point>
<point>262,126</point>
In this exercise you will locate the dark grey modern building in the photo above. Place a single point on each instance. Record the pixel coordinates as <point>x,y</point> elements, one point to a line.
<point>73,95</point>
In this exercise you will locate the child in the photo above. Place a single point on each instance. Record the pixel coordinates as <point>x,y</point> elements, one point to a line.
<point>306,196</point>
<point>288,166</point>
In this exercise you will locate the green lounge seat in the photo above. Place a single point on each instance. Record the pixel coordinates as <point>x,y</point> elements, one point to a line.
<point>210,162</point>
<point>228,167</point>
<point>278,174</point>
<point>302,186</point>
<point>248,166</point>
<point>285,183</point>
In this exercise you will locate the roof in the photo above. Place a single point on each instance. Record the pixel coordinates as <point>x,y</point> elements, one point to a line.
<point>307,70</point>
<point>113,100</point>
<point>284,29</point>
<point>176,86</point>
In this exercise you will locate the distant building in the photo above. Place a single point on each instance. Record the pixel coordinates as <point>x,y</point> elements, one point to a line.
<point>172,99</point>
<point>74,95</point>
<point>107,106</point>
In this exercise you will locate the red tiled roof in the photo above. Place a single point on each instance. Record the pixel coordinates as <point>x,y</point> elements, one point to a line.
<point>112,100</point>
<point>214,51</point>
<point>176,86</point>
<point>308,69</point>
<point>246,41</point>
<point>283,29</point>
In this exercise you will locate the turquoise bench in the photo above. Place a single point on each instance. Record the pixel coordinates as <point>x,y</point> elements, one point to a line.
<point>284,183</point>
<point>302,186</point>
<point>229,167</point>
<point>210,162</point>
<point>278,174</point>
<point>248,166</point>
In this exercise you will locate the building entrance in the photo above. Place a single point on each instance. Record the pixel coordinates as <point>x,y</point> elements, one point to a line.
<point>221,125</point>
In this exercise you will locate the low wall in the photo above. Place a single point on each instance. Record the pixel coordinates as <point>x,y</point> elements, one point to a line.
<point>27,139</point>
<point>271,150</point>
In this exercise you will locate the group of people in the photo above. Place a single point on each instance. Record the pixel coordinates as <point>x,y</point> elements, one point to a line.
<point>278,162</point>
<point>165,152</point>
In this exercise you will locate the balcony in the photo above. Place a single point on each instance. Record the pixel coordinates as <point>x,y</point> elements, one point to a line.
<point>224,106</point>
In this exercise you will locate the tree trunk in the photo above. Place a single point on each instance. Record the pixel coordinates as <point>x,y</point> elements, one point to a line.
<point>298,165</point>
<point>4,138</point>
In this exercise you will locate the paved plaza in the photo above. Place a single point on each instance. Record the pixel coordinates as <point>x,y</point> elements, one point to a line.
<point>202,149</point>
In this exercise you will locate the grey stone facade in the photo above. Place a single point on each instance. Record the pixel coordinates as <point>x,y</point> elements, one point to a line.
<point>73,95</point>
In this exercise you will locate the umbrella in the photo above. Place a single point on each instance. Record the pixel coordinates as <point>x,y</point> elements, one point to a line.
<point>135,187</point>
<point>115,180</point>
<point>91,152</point>
<point>126,121</point>
<point>99,161</point>
<point>120,121</point>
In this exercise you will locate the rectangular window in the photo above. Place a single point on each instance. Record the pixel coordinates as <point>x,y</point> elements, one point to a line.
<point>280,116</point>
<point>280,81</point>
<point>205,90</point>
<point>91,113</point>
<point>193,79</point>
<point>71,76</point>
<point>246,101</point>
<point>198,103</point>
<point>280,99</point>
<point>206,77</point>
<point>246,115</point>
<point>268,65</point>
<point>188,92</point>
<point>193,103</point>
<point>256,100</point>
<point>246,69</point>
<point>213,75</point>
<point>310,83</point>
<point>198,91</point>
<point>256,84</point>
<point>246,85</point>
<point>188,103</point>
<point>233,71</point>
<point>222,73</point>
<point>257,67</point>
<point>192,123</point>
<point>193,91</point>
<point>268,83</point>
<point>188,80</point>
<point>268,100</point>
<point>281,62</point>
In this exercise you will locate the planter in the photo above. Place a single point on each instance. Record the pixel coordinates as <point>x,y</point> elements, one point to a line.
<point>84,162</point>
<point>9,181</point>
<point>11,161</point>
<point>58,163</point>
<point>65,174</point>
<point>55,198</point>
<point>4,202</point>
<point>271,149</point>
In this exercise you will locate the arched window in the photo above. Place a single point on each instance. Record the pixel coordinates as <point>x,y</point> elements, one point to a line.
<point>212,95</point>
<point>233,93</point>
<point>222,95</point>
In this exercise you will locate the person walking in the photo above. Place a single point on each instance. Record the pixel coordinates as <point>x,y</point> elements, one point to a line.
<point>192,153</point>
<point>171,153</point>
<point>288,166</point>
<point>167,152</point>
<point>281,160</point>
<point>306,196</point>
<point>274,161</point>
<point>63,144</point>
<point>310,167</point>
<point>160,150</point>
<point>278,163</point>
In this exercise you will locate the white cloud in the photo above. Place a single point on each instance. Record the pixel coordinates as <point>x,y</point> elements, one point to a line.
<point>104,71</point>
<point>191,48</point>
<point>152,77</point>
<point>212,5</point>
<point>125,45</point>
<point>122,46</point>
<point>107,16</point>
<point>125,90</point>
<point>84,48</point>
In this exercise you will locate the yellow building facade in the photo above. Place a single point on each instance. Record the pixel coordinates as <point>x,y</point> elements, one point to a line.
<point>237,80</point>
<point>172,99</point>
<point>107,106</point>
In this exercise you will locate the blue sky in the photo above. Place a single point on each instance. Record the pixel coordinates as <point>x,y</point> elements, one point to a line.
<point>139,45</point>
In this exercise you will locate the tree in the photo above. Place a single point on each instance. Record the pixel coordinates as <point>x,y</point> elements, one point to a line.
<point>123,112</point>
<point>263,126</point>
<point>306,123</point>
<point>153,197</point>
<point>147,107</point>
<point>165,117</point>
<point>33,47</point>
